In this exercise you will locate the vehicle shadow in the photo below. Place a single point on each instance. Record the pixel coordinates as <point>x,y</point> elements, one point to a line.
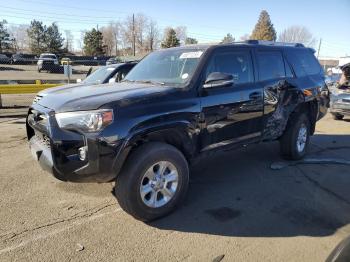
<point>8,68</point>
<point>236,193</point>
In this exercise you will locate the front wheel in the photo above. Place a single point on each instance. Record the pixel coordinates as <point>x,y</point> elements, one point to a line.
<point>296,138</point>
<point>153,181</point>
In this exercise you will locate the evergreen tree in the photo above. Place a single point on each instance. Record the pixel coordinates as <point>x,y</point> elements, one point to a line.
<point>93,43</point>
<point>170,39</point>
<point>53,39</point>
<point>264,29</point>
<point>37,34</point>
<point>5,40</point>
<point>191,41</point>
<point>228,39</point>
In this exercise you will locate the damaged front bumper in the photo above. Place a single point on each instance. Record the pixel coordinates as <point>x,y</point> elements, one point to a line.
<point>69,155</point>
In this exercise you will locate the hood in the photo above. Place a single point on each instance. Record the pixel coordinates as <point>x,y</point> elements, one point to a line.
<point>66,99</point>
<point>57,88</point>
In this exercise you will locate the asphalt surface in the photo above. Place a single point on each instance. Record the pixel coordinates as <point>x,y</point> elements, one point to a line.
<point>237,208</point>
<point>30,72</point>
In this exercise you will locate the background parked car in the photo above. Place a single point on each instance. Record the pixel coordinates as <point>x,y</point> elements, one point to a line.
<point>23,59</point>
<point>113,60</point>
<point>340,95</point>
<point>48,62</point>
<point>4,59</point>
<point>103,75</point>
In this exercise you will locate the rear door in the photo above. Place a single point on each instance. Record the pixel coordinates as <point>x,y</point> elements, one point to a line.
<point>231,113</point>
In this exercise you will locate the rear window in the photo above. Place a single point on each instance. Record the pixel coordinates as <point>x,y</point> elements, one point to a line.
<point>270,65</point>
<point>303,62</point>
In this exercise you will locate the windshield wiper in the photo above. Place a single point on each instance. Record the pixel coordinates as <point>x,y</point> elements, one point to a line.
<point>150,82</point>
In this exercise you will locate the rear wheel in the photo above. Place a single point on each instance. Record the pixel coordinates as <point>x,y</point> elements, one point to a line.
<point>153,181</point>
<point>295,140</point>
<point>337,116</point>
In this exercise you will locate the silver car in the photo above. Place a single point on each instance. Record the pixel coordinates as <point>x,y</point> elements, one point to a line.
<point>340,102</point>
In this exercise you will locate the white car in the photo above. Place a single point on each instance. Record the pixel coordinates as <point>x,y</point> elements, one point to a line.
<point>48,62</point>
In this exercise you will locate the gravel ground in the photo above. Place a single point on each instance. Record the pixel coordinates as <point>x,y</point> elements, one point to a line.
<point>237,209</point>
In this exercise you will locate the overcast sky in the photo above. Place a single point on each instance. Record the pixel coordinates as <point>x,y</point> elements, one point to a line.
<point>206,20</point>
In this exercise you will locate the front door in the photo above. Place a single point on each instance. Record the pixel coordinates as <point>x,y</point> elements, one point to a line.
<point>232,113</point>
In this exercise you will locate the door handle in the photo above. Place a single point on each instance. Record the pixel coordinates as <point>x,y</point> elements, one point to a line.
<point>255,96</point>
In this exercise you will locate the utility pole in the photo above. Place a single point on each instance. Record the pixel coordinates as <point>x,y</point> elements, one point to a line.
<point>133,34</point>
<point>319,47</point>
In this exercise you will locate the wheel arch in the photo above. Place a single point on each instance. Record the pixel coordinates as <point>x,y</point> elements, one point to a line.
<point>177,134</point>
<point>311,108</point>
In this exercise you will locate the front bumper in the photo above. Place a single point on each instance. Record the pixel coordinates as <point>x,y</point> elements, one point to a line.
<point>57,150</point>
<point>341,106</point>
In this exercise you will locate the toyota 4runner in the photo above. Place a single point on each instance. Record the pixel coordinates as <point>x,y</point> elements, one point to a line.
<point>175,105</point>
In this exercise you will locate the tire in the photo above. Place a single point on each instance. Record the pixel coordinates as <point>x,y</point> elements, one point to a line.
<point>337,116</point>
<point>291,149</point>
<point>144,162</point>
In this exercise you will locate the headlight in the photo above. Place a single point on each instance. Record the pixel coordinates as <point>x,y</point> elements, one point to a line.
<point>86,121</point>
<point>56,62</point>
<point>40,62</point>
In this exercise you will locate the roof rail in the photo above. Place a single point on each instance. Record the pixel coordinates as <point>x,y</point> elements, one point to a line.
<point>272,43</point>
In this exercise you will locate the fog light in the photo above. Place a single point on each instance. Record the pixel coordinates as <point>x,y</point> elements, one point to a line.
<point>82,153</point>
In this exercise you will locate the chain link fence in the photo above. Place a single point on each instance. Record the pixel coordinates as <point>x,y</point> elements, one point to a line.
<point>23,73</point>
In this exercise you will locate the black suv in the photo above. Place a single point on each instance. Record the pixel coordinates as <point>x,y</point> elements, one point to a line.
<point>175,105</point>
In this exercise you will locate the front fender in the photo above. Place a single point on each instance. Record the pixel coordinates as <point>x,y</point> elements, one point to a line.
<point>181,134</point>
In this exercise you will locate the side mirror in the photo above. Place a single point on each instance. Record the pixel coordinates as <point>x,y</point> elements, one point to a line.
<point>217,79</point>
<point>112,80</point>
<point>78,80</point>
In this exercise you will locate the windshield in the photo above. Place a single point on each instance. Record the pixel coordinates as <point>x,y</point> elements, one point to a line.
<point>48,56</point>
<point>98,76</point>
<point>172,66</point>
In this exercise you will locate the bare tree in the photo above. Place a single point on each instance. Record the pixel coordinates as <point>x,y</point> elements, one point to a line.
<point>244,37</point>
<point>297,34</point>
<point>116,28</point>
<point>80,41</point>
<point>126,31</point>
<point>141,22</point>
<point>20,36</point>
<point>152,35</point>
<point>69,41</point>
<point>181,33</point>
<point>108,39</point>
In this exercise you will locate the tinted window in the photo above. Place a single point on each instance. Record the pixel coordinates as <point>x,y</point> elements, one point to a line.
<point>270,65</point>
<point>304,62</point>
<point>236,63</point>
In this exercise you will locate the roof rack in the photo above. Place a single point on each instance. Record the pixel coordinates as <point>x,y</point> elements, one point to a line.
<point>272,43</point>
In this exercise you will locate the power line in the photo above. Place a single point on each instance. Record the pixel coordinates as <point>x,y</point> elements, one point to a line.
<point>228,29</point>
<point>54,13</point>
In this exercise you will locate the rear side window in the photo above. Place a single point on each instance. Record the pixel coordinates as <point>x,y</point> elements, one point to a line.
<point>236,63</point>
<point>303,62</point>
<point>270,65</point>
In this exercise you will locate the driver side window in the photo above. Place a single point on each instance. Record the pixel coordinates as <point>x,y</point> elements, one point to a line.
<point>236,63</point>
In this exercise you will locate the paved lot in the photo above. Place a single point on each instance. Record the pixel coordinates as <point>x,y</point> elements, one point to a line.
<point>30,72</point>
<point>238,208</point>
